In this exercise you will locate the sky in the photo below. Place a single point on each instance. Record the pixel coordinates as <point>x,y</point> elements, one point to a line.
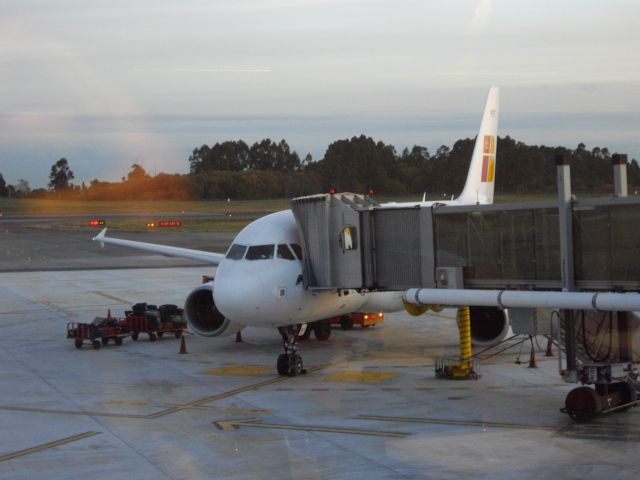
<point>107,84</point>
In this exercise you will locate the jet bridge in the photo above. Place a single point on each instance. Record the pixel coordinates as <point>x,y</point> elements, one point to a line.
<point>568,245</point>
<point>349,241</point>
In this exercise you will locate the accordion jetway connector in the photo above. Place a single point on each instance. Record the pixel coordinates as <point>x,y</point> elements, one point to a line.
<point>463,367</point>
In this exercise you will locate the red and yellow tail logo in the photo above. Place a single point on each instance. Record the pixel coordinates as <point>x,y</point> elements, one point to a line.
<point>488,158</point>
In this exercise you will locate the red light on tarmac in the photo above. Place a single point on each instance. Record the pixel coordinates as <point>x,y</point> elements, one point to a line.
<point>96,223</point>
<point>170,223</point>
<point>332,190</point>
<point>370,192</point>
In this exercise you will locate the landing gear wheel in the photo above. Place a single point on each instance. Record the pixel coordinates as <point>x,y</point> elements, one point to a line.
<point>96,344</point>
<point>105,340</point>
<point>295,365</point>
<point>322,330</point>
<point>118,340</point>
<point>346,322</point>
<point>283,364</point>
<point>78,342</point>
<point>289,362</point>
<point>152,337</point>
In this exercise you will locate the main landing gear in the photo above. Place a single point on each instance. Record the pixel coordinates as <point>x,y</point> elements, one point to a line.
<point>289,362</point>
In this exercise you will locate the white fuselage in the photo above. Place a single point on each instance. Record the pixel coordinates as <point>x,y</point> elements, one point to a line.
<point>269,291</point>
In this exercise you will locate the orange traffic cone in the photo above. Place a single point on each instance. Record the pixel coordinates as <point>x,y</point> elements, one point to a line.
<point>549,345</point>
<point>183,345</point>
<point>532,360</point>
<point>238,337</point>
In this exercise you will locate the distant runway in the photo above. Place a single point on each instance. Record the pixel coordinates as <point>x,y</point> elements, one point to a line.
<point>25,248</point>
<point>21,219</point>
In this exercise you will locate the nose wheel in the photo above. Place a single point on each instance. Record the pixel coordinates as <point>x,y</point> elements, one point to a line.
<point>289,362</point>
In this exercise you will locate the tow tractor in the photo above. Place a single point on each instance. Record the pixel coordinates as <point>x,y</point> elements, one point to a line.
<point>365,320</point>
<point>154,321</point>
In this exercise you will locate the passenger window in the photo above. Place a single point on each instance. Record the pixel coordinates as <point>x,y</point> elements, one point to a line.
<point>284,252</point>
<point>236,252</point>
<point>297,249</point>
<point>260,252</point>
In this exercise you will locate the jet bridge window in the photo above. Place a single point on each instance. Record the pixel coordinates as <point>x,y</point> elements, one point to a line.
<point>260,252</point>
<point>284,252</point>
<point>349,238</point>
<point>236,252</point>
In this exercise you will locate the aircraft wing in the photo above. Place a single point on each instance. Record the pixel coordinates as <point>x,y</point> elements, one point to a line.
<point>199,255</point>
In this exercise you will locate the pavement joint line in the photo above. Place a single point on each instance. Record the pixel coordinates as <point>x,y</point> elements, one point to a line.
<point>254,423</point>
<point>45,446</point>
<point>111,297</point>
<point>468,423</point>
<point>59,309</point>
<point>170,410</point>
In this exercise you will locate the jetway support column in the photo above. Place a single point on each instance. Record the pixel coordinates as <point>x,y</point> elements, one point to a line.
<point>620,174</point>
<point>563,170</point>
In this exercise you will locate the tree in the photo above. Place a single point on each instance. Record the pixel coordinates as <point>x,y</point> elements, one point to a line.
<point>61,175</point>
<point>22,187</point>
<point>268,155</point>
<point>137,173</point>
<point>3,187</point>
<point>230,156</point>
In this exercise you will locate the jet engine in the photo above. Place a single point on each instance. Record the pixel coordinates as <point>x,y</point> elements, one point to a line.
<point>203,316</point>
<point>489,325</point>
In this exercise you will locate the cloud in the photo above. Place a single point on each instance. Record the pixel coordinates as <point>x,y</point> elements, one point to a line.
<point>481,15</point>
<point>206,69</point>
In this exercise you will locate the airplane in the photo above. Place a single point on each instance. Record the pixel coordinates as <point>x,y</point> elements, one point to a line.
<point>259,281</point>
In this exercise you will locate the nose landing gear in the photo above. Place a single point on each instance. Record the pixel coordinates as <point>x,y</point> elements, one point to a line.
<point>289,362</point>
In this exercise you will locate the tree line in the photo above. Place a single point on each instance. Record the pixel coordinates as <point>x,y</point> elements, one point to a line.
<point>268,169</point>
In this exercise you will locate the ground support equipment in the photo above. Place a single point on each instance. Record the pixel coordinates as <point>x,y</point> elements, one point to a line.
<point>616,388</point>
<point>99,332</point>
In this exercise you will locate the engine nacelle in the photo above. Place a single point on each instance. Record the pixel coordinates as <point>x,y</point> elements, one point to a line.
<point>203,316</point>
<point>489,325</point>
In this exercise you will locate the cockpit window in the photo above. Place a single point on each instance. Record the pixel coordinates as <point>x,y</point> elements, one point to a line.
<point>260,252</point>
<point>297,249</point>
<point>284,252</point>
<point>236,252</point>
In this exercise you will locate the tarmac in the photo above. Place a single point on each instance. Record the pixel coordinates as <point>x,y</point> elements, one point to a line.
<point>369,406</point>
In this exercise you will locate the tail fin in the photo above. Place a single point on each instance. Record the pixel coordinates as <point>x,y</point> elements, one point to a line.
<point>480,180</point>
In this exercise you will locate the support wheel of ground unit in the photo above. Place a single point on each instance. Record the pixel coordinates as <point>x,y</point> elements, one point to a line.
<point>582,404</point>
<point>152,337</point>
<point>134,336</point>
<point>322,330</point>
<point>96,344</point>
<point>78,342</point>
<point>118,340</point>
<point>105,341</point>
